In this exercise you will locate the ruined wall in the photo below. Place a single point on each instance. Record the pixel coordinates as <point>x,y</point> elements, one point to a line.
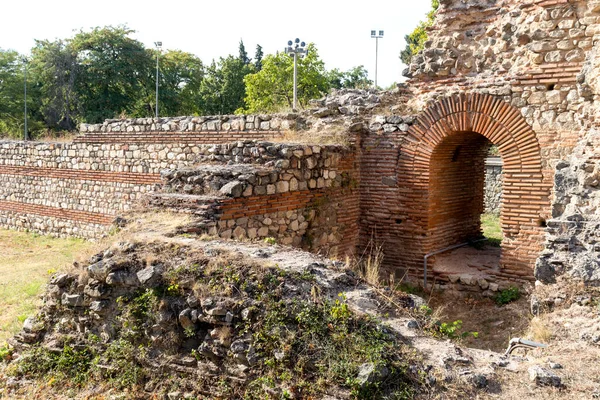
<point>300,195</point>
<point>530,57</point>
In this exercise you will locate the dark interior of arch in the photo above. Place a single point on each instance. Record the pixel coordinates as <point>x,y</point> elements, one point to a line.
<point>456,189</point>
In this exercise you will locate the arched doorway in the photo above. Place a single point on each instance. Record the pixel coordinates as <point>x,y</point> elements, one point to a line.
<point>440,176</point>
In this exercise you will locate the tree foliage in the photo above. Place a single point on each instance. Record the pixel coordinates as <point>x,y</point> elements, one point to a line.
<point>11,92</point>
<point>105,73</point>
<point>415,41</point>
<point>355,78</point>
<point>271,88</point>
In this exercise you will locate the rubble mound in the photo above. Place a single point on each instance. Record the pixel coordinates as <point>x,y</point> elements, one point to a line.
<point>183,320</point>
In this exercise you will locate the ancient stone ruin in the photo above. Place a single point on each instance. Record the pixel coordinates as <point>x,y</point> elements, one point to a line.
<point>410,175</point>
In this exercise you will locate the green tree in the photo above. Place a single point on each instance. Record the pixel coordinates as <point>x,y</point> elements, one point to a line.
<point>223,90</point>
<point>271,88</point>
<point>114,70</point>
<point>415,41</point>
<point>243,54</point>
<point>11,93</point>
<point>55,68</point>
<point>258,56</point>
<point>180,77</point>
<point>355,78</point>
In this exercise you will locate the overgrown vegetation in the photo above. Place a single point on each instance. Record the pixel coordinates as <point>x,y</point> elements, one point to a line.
<point>415,41</point>
<point>303,344</point>
<point>309,347</point>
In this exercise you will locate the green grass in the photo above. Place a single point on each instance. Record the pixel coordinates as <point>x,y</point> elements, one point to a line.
<point>27,262</point>
<point>491,229</point>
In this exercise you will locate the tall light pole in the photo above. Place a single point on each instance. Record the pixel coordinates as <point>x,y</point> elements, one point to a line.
<point>158,46</point>
<point>296,49</point>
<point>376,35</point>
<point>25,133</point>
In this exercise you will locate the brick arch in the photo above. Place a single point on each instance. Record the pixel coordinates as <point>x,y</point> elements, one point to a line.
<point>526,198</point>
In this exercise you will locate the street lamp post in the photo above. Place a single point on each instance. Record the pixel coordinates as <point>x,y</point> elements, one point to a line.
<point>376,35</point>
<point>158,46</point>
<point>25,131</point>
<point>296,49</point>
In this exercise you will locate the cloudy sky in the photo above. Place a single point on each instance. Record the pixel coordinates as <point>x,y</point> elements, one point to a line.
<point>211,29</point>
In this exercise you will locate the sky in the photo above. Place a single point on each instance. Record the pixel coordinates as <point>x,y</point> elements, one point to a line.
<point>213,29</point>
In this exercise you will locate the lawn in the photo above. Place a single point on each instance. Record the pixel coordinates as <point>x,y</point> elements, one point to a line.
<point>27,261</point>
<point>491,228</point>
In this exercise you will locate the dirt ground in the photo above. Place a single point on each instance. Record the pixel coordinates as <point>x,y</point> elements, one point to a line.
<point>495,325</point>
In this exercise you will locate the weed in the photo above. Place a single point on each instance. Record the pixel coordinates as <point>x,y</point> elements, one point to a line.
<point>124,359</point>
<point>70,364</point>
<point>270,240</point>
<point>5,352</point>
<point>507,296</point>
<point>452,330</point>
<point>299,340</point>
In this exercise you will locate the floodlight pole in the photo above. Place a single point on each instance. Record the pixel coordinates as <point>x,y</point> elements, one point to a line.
<point>376,35</point>
<point>295,81</point>
<point>158,46</point>
<point>25,132</point>
<point>295,49</point>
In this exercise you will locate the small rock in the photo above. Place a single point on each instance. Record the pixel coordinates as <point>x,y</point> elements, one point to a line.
<point>72,300</point>
<point>417,302</point>
<point>233,189</point>
<point>543,377</point>
<point>412,324</point>
<point>185,319</point>
<point>370,373</point>
<point>193,301</point>
<point>60,280</point>
<point>122,278</point>
<point>478,380</point>
<point>174,396</point>
<point>554,365</point>
<point>101,269</point>
<point>148,276</point>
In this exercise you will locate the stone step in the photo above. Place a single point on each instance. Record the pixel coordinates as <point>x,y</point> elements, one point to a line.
<point>199,205</point>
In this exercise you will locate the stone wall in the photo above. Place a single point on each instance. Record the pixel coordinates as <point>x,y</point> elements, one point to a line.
<point>492,194</point>
<point>299,195</point>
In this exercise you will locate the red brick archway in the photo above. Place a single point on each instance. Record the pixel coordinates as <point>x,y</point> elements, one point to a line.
<point>460,129</point>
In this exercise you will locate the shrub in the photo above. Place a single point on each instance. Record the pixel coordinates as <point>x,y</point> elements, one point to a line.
<point>508,296</point>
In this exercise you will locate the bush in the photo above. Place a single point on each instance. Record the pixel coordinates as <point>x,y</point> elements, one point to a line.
<point>508,296</point>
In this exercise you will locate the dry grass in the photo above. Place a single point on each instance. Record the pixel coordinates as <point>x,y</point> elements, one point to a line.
<point>27,262</point>
<point>539,330</point>
<point>332,135</point>
<point>369,265</point>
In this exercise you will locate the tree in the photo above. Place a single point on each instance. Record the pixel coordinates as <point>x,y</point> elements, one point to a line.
<point>415,41</point>
<point>271,88</point>
<point>258,56</point>
<point>114,70</point>
<point>223,90</point>
<point>180,78</point>
<point>243,54</point>
<point>355,78</point>
<point>55,68</point>
<point>11,93</point>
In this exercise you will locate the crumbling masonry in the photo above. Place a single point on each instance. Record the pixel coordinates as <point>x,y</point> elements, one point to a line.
<point>521,75</point>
